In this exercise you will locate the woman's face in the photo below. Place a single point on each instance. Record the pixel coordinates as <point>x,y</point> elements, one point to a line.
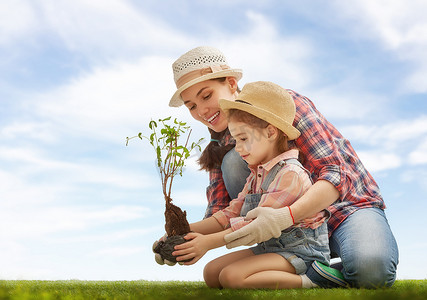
<point>202,98</point>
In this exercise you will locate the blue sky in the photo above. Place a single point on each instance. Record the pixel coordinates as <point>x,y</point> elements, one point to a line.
<point>77,77</point>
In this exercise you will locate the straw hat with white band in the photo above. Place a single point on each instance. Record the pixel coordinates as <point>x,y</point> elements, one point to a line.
<point>197,65</point>
<point>267,101</point>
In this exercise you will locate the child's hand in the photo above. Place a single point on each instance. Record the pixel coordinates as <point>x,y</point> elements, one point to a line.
<point>195,248</point>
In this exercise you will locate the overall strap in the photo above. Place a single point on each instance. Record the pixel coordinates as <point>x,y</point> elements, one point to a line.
<point>271,175</point>
<point>273,172</point>
<point>295,161</point>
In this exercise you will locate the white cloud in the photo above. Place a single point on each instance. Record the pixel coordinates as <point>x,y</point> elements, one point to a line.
<point>107,27</point>
<point>31,162</point>
<point>264,53</point>
<point>398,23</point>
<point>108,102</point>
<point>186,198</point>
<point>376,161</point>
<point>38,221</point>
<point>390,135</point>
<point>400,26</point>
<point>391,145</point>
<point>341,102</point>
<point>41,131</point>
<point>417,175</point>
<point>419,154</point>
<point>17,20</point>
<point>122,251</point>
<point>115,236</point>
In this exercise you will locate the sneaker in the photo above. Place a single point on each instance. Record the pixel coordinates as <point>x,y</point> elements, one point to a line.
<point>325,276</point>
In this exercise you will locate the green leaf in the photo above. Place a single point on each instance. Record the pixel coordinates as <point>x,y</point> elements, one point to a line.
<point>152,124</point>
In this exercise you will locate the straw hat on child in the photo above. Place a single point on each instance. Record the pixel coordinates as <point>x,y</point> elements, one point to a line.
<point>267,101</point>
<point>197,65</point>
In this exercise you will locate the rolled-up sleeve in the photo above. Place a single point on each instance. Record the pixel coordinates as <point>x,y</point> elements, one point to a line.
<point>322,147</point>
<point>233,210</point>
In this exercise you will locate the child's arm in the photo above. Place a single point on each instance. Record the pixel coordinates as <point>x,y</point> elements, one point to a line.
<point>206,226</point>
<point>198,244</point>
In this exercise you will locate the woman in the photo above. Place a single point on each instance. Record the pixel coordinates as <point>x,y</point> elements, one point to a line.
<point>358,228</point>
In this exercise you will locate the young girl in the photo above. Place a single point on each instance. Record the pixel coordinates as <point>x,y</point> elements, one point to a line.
<point>358,228</point>
<point>260,120</point>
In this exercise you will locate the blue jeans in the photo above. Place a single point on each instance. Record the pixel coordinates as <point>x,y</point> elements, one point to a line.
<point>367,248</point>
<point>364,240</point>
<point>234,172</point>
<point>300,246</point>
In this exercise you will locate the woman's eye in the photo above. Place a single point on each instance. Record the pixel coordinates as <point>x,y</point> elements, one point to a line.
<point>207,96</point>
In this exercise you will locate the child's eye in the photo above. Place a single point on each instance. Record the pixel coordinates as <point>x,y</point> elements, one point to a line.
<point>243,139</point>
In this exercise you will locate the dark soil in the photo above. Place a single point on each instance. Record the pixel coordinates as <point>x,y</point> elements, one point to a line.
<point>165,248</point>
<point>176,226</point>
<point>176,220</point>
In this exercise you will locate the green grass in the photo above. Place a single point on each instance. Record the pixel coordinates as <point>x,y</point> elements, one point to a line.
<point>75,289</point>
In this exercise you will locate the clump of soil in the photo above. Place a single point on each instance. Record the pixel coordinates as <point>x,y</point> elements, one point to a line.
<point>176,227</point>
<point>176,220</point>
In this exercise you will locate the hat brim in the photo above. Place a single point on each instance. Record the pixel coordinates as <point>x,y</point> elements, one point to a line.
<point>273,119</point>
<point>176,99</point>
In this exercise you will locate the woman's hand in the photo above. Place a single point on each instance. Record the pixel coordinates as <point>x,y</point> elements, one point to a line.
<point>197,245</point>
<point>157,257</point>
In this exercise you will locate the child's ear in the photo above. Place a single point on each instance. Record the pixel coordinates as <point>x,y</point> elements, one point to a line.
<point>272,132</point>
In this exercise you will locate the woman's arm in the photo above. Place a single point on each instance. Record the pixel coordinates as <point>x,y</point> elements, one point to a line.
<point>318,197</point>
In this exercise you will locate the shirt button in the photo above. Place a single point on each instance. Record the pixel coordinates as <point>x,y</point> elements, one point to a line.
<point>259,175</point>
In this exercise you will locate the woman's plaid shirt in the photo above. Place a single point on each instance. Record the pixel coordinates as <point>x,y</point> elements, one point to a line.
<point>329,156</point>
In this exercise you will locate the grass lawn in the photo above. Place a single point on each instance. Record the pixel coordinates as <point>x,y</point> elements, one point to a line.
<point>75,289</point>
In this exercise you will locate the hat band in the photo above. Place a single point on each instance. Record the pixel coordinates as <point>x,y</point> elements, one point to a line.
<point>198,73</point>
<point>241,101</point>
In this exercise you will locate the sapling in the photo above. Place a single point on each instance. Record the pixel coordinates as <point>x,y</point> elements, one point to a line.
<point>170,161</point>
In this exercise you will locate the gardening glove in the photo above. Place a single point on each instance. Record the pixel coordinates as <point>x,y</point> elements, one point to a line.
<point>267,223</point>
<point>157,257</point>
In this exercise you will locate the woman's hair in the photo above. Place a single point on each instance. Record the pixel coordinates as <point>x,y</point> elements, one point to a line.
<point>211,157</point>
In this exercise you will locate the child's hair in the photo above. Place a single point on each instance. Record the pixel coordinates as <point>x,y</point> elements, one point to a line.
<point>282,141</point>
<point>251,120</point>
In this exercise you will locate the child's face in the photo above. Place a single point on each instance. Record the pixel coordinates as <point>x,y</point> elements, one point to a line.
<point>255,145</point>
<point>202,98</point>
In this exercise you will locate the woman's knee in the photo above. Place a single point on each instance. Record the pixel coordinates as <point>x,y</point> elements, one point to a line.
<point>371,271</point>
<point>367,248</point>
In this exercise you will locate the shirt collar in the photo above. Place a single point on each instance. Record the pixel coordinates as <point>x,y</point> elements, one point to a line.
<point>293,153</point>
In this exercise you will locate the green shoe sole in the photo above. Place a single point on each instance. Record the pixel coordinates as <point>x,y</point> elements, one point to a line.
<point>330,273</point>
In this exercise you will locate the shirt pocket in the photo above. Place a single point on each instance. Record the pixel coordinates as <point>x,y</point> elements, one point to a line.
<point>251,202</point>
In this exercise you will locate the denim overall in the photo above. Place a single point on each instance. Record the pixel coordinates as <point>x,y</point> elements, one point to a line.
<point>300,246</point>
